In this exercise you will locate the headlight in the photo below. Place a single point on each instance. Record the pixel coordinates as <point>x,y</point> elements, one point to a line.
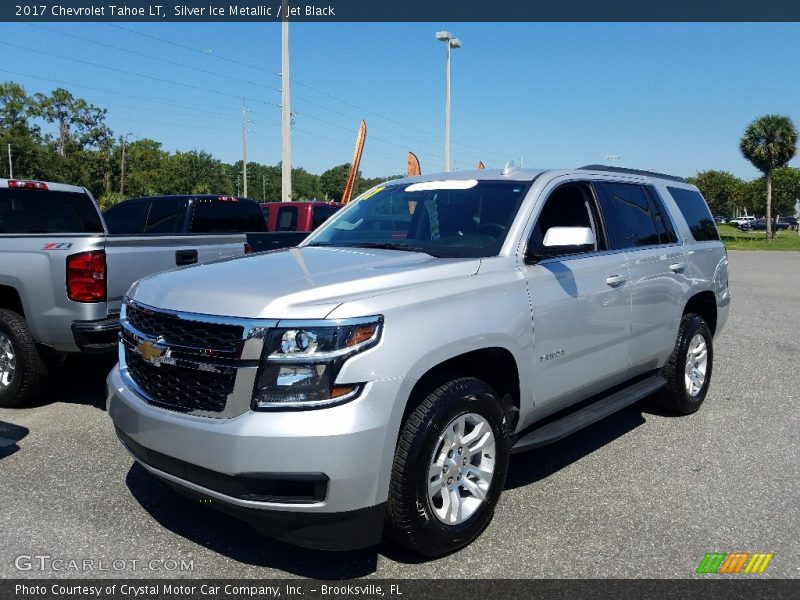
<point>300,363</point>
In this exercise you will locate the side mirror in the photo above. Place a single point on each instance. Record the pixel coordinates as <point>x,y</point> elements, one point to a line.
<point>563,240</point>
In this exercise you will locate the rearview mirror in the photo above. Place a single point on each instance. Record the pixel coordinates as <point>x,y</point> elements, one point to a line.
<point>563,240</point>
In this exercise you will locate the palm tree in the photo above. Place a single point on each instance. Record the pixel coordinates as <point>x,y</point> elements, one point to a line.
<point>769,142</point>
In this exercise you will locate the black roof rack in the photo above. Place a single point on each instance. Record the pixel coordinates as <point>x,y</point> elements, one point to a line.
<point>632,172</point>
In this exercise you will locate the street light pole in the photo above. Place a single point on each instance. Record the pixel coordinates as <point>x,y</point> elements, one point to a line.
<point>447,37</point>
<point>286,112</point>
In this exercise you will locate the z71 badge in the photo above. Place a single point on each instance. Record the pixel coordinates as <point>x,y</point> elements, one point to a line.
<point>57,246</point>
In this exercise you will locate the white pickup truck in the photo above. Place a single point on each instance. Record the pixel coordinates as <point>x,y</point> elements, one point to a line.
<point>62,277</point>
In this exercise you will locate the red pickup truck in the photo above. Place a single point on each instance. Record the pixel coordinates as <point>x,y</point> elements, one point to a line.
<point>291,222</point>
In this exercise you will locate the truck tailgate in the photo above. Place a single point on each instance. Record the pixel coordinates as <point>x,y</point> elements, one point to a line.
<point>131,257</point>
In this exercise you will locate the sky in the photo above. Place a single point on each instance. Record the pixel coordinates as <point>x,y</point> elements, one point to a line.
<point>674,98</point>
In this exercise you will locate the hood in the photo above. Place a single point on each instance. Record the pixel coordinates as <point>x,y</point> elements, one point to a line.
<point>296,283</point>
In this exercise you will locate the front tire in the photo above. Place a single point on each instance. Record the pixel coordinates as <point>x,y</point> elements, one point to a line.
<point>688,370</point>
<point>449,470</point>
<point>23,374</point>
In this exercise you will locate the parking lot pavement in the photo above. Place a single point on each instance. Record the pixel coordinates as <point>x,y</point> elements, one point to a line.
<point>637,495</point>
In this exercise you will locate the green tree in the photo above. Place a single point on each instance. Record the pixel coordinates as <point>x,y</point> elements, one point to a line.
<point>332,182</point>
<point>145,173</point>
<point>16,108</point>
<point>305,185</point>
<point>769,142</point>
<point>723,191</point>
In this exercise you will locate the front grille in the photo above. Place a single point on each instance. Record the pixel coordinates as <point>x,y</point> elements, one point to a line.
<point>184,332</point>
<point>180,388</point>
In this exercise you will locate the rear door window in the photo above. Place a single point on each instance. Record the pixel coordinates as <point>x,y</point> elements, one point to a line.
<point>628,215</point>
<point>695,210</point>
<point>45,211</point>
<point>127,217</point>
<point>166,216</point>
<point>227,216</point>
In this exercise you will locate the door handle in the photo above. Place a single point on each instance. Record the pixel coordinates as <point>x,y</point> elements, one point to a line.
<point>185,257</point>
<point>677,267</point>
<point>615,280</point>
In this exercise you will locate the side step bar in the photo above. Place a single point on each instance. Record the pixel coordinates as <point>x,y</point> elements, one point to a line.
<point>572,422</point>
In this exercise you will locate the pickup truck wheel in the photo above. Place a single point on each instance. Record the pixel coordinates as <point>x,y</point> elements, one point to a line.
<point>449,469</point>
<point>688,370</point>
<point>22,371</point>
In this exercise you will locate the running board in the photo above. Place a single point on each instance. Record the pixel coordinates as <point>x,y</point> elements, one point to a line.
<point>572,422</point>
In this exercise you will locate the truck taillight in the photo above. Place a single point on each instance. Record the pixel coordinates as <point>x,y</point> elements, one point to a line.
<point>27,185</point>
<point>86,276</point>
<point>248,249</point>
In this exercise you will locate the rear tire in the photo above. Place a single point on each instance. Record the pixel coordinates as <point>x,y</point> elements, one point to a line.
<point>449,469</point>
<point>688,370</point>
<point>23,374</point>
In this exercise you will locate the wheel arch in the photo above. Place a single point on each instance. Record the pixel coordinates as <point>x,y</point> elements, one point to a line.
<point>703,304</point>
<point>11,300</point>
<point>494,365</point>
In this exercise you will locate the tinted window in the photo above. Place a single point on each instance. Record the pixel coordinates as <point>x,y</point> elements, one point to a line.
<point>666,232</point>
<point>166,216</point>
<point>126,217</point>
<point>628,215</point>
<point>320,214</point>
<point>286,219</point>
<point>40,211</point>
<point>465,219</point>
<point>568,206</point>
<point>227,216</point>
<point>695,210</point>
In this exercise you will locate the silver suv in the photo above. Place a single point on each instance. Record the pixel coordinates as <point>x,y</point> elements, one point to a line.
<point>378,376</point>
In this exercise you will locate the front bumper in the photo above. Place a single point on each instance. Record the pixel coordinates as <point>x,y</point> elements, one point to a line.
<point>348,447</point>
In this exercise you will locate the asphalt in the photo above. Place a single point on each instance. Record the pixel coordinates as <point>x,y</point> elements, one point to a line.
<point>640,494</point>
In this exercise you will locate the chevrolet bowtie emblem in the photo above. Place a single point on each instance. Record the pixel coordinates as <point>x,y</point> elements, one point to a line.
<point>151,352</point>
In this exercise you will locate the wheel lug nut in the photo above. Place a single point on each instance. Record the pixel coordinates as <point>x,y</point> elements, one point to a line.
<point>459,477</point>
<point>446,468</point>
<point>460,449</point>
<point>449,481</point>
<point>465,460</point>
<point>450,454</point>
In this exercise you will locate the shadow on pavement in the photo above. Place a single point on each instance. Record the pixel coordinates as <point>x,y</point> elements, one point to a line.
<point>10,434</point>
<point>79,379</point>
<point>532,466</point>
<point>237,540</point>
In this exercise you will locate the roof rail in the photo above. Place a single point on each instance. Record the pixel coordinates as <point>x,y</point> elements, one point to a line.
<point>631,172</point>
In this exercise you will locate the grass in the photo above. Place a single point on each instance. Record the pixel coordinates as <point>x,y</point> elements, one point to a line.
<point>756,240</point>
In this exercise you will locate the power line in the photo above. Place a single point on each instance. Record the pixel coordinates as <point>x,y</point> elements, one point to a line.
<point>134,73</point>
<point>305,85</point>
<point>156,58</point>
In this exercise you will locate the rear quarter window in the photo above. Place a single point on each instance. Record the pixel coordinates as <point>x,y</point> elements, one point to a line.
<point>45,211</point>
<point>694,209</point>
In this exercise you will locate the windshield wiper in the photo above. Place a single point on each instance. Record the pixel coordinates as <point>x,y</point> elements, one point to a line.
<point>391,246</point>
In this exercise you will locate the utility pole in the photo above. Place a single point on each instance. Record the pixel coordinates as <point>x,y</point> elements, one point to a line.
<point>286,115</point>
<point>10,164</point>
<point>122,169</point>
<point>244,146</point>
<point>264,188</point>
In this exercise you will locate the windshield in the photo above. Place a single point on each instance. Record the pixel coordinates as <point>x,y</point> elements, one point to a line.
<point>464,218</point>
